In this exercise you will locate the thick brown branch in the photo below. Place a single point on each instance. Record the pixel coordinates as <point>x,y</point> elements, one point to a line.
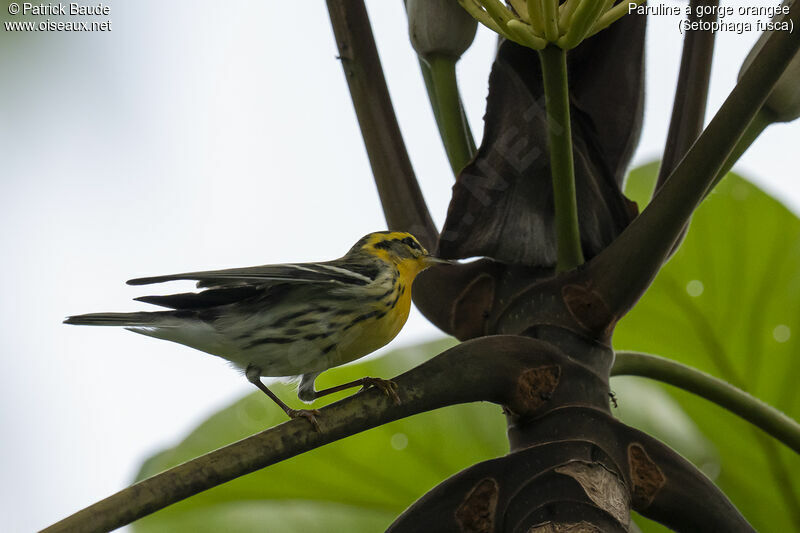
<point>687,500</point>
<point>624,270</point>
<point>543,488</point>
<point>403,204</point>
<point>485,369</point>
<point>574,465</point>
<point>663,485</point>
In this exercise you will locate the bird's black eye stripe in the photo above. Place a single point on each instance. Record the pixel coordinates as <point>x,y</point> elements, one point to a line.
<point>408,241</point>
<point>411,243</point>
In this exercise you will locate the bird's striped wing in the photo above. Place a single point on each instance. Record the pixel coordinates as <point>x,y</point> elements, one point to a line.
<point>209,297</point>
<point>340,273</point>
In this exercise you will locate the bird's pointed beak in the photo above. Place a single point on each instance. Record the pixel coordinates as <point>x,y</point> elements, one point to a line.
<point>430,261</point>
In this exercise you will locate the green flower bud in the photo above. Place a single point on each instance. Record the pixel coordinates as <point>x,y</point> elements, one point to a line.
<point>439,28</point>
<point>783,103</point>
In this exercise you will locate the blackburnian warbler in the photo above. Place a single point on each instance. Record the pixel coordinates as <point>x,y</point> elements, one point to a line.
<point>290,319</point>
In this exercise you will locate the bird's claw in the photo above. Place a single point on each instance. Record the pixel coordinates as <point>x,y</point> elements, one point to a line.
<point>308,414</point>
<point>387,386</point>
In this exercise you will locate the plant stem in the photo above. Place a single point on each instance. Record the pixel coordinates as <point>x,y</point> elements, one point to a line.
<point>403,204</point>
<point>453,128</point>
<point>559,137</point>
<point>691,93</point>
<point>720,392</point>
<point>427,77</point>
<point>756,128</point>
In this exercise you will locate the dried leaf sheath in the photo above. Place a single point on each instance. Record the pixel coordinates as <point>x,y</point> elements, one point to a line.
<point>507,190</point>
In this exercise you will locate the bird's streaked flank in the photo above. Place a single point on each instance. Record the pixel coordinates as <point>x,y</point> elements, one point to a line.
<point>290,319</point>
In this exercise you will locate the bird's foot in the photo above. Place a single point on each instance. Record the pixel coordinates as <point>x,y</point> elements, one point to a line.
<point>308,414</point>
<point>387,386</point>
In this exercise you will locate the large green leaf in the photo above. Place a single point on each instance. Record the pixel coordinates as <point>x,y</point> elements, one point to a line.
<point>359,484</point>
<point>728,303</point>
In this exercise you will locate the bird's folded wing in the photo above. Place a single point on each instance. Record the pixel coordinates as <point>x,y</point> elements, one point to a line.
<point>207,298</point>
<point>300,273</point>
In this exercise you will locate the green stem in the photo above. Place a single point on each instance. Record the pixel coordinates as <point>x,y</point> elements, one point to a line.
<point>756,128</point>
<point>722,393</point>
<point>559,137</point>
<point>427,77</point>
<point>453,128</point>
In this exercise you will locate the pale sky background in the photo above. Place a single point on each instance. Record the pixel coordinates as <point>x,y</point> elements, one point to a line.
<point>200,135</point>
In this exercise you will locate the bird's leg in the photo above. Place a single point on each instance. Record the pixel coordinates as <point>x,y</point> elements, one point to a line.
<point>253,374</point>
<point>388,387</point>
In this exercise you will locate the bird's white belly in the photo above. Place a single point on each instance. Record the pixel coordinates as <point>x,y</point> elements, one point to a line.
<point>299,346</point>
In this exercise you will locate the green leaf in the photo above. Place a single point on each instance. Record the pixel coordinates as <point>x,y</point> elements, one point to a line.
<point>359,484</point>
<point>728,303</point>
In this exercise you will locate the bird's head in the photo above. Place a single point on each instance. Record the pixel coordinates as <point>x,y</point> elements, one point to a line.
<point>400,248</point>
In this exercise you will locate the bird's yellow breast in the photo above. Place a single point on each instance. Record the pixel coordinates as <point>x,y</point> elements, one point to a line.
<point>385,318</point>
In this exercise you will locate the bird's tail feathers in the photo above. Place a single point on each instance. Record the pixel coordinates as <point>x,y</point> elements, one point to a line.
<point>141,318</point>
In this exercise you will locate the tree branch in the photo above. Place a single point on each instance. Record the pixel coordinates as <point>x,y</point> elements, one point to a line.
<point>722,393</point>
<point>575,464</point>
<point>467,370</point>
<point>687,501</point>
<point>663,486</point>
<point>401,197</point>
<point>546,487</point>
<point>624,270</point>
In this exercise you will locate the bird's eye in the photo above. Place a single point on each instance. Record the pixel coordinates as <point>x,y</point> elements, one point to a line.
<point>411,243</point>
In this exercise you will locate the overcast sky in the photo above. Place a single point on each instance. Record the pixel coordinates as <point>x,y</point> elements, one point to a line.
<point>200,135</point>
